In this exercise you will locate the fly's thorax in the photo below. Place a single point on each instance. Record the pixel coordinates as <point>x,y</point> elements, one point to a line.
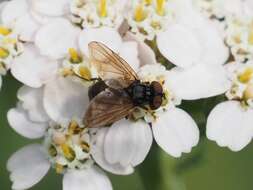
<point>68,147</point>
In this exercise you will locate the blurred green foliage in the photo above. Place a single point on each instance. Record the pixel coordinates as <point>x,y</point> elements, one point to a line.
<point>207,167</point>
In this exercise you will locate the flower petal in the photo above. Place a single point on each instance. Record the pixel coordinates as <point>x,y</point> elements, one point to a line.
<point>200,81</point>
<point>19,121</point>
<point>51,7</point>
<point>33,69</point>
<point>179,45</point>
<point>230,126</point>
<point>146,54</point>
<point>128,143</point>
<point>176,132</point>
<point>98,155</point>
<point>26,27</point>
<point>51,40</point>
<point>32,102</point>
<point>129,52</point>
<point>90,179</point>
<point>108,36</point>
<point>13,10</point>
<point>65,100</point>
<point>213,51</point>
<point>27,166</point>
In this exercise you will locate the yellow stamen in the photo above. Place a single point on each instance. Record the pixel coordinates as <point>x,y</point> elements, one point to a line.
<point>250,39</point>
<point>248,93</point>
<point>148,2</point>
<point>85,146</point>
<point>68,152</point>
<point>74,128</point>
<point>246,76</point>
<point>85,72</point>
<point>4,53</point>
<point>102,8</point>
<point>160,7</point>
<point>52,151</point>
<point>67,72</point>
<point>139,14</point>
<point>74,56</point>
<point>4,31</point>
<point>59,168</point>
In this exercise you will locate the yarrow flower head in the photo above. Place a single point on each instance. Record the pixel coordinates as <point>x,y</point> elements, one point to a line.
<point>148,18</point>
<point>97,13</point>
<point>10,47</point>
<point>239,35</point>
<point>230,122</point>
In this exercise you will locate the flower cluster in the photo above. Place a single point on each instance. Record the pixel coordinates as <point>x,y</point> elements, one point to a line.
<point>194,49</point>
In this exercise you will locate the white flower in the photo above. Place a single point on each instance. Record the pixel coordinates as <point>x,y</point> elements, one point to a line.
<point>239,36</point>
<point>77,63</point>
<point>172,128</point>
<point>189,41</point>
<point>230,122</point>
<point>94,14</point>
<point>55,113</point>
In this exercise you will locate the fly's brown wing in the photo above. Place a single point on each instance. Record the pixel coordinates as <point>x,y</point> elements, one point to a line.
<point>110,66</point>
<point>108,107</point>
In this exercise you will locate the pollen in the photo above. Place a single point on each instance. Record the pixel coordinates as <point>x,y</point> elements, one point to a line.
<point>250,39</point>
<point>59,168</point>
<point>74,56</point>
<point>139,13</point>
<point>160,7</point>
<point>102,8</point>
<point>148,2</point>
<point>5,31</point>
<point>85,72</point>
<point>248,93</point>
<point>68,152</point>
<point>4,53</point>
<point>246,76</point>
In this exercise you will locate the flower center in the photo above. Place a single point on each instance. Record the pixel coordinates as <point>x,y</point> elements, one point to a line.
<point>242,85</point>
<point>160,7</point>
<point>68,147</point>
<point>102,8</point>
<point>140,13</point>
<point>4,31</point>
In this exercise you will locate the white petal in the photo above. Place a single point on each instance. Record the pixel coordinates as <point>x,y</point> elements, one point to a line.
<point>128,143</point>
<point>213,51</point>
<point>179,45</point>
<point>65,100</point>
<point>176,132</point>
<point>19,121</point>
<point>146,54</point>
<point>32,102</point>
<point>14,10</point>
<point>55,38</point>
<point>230,126</point>
<point>99,156</point>
<point>26,27</point>
<point>0,82</point>
<point>27,167</point>
<point>129,52</point>
<point>108,36</point>
<point>88,179</point>
<point>198,82</point>
<point>51,7</point>
<point>33,69</point>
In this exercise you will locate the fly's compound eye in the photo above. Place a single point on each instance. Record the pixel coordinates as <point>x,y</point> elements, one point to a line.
<point>157,88</point>
<point>156,102</point>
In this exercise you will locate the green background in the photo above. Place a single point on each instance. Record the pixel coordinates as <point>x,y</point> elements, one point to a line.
<point>208,167</point>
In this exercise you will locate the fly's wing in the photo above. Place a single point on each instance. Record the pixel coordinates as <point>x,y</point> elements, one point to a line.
<point>111,66</point>
<point>108,107</point>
